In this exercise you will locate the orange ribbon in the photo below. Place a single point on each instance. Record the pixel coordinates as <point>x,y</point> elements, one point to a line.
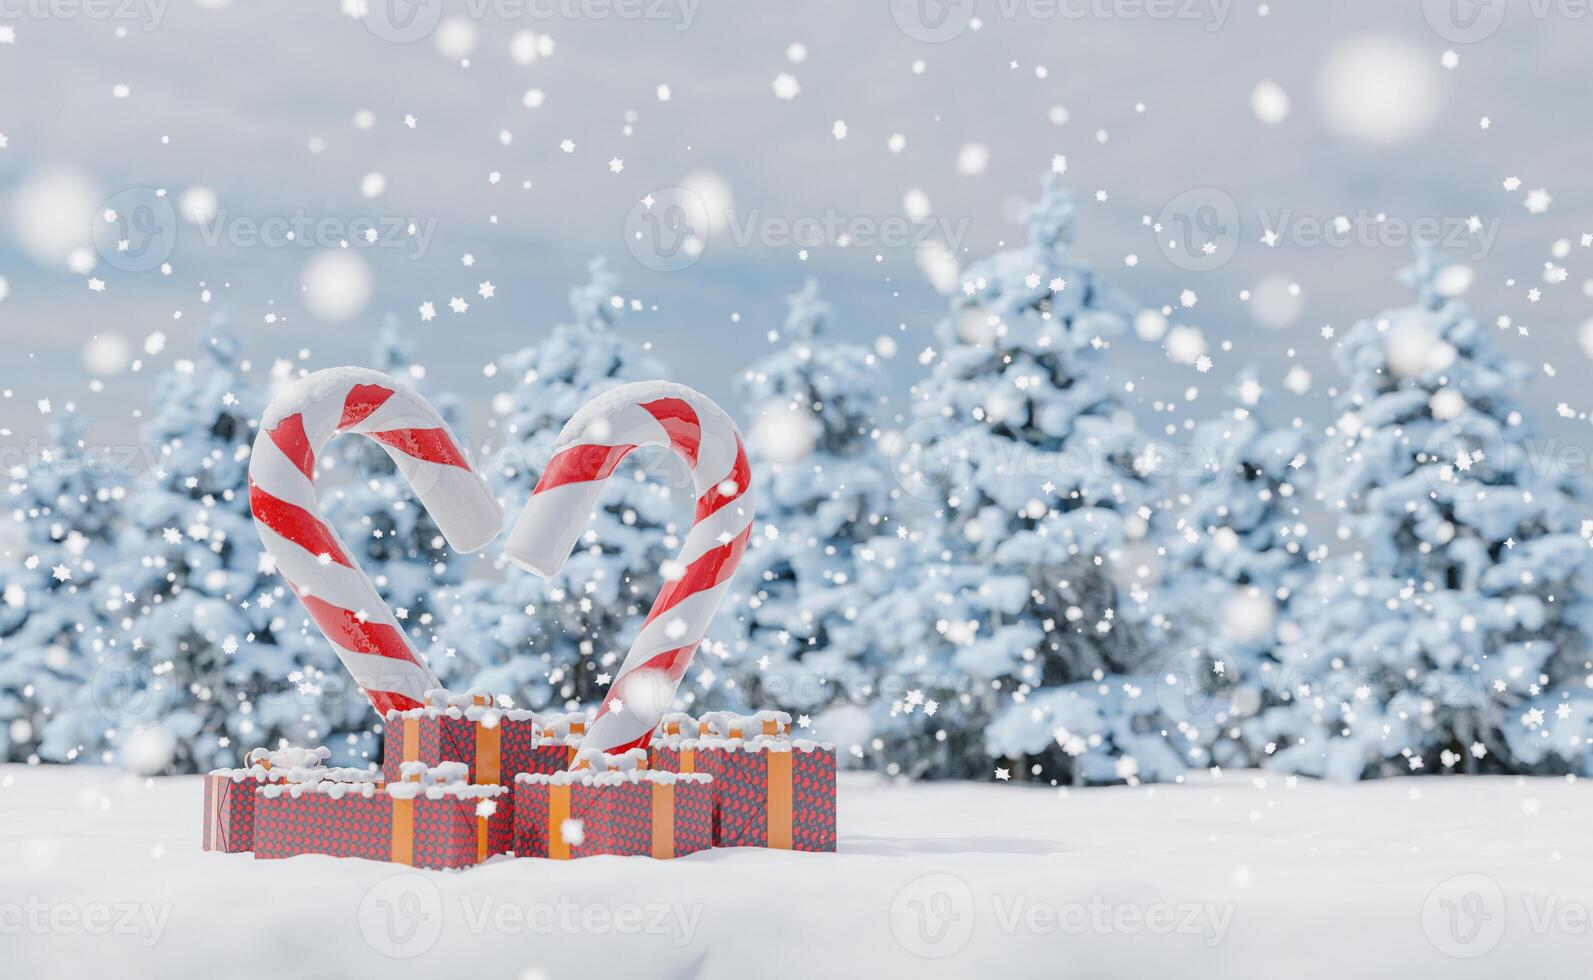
<point>403,831</point>
<point>558,812</point>
<point>663,820</point>
<point>780,799</point>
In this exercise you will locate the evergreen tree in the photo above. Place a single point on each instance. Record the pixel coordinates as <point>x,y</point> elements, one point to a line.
<point>1456,636</point>
<point>1241,552</point>
<point>555,642</point>
<point>58,612</point>
<point>824,496</point>
<point>1047,492</point>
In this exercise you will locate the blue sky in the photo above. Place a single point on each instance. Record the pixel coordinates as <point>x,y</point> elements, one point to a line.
<point>230,99</point>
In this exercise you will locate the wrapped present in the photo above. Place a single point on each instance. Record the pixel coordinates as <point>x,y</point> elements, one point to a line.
<point>636,812</point>
<point>430,819</point>
<point>230,793</point>
<point>726,724</point>
<point>494,743</point>
<point>767,792</point>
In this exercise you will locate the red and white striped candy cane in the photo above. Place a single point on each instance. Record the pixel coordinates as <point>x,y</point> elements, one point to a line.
<point>308,552</point>
<point>603,432</point>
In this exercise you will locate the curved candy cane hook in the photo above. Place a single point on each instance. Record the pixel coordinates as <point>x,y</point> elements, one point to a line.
<point>590,447</point>
<point>319,568</point>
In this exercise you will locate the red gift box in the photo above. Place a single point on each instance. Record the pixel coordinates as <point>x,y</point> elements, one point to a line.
<point>447,824</point>
<point>494,744</point>
<point>767,792</point>
<point>636,812</point>
<point>230,793</point>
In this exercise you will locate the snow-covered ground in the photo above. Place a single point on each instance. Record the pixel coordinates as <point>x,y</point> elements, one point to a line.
<point>101,874</point>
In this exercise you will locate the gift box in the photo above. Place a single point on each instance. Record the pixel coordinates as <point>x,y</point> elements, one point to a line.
<point>495,744</point>
<point>634,812</point>
<point>550,754</point>
<point>230,793</point>
<point>767,792</point>
<point>431,819</point>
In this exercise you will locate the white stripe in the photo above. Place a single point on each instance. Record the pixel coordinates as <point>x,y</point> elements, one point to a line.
<point>721,527</point>
<point>695,611</point>
<point>716,458</point>
<point>273,472</point>
<point>321,417</point>
<point>628,424</point>
<point>400,411</point>
<point>376,673</point>
<point>337,585</point>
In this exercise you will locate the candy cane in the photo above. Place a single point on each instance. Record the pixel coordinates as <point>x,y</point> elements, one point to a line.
<point>308,552</point>
<point>587,452</point>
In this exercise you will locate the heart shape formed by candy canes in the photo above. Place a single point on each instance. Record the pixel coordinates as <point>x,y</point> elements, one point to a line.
<point>589,448</point>
<point>319,568</point>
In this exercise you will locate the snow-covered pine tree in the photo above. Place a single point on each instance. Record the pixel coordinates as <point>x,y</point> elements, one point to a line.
<point>1240,551</point>
<point>1047,490</point>
<point>59,615</point>
<point>824,495</point>
<point>219,638</point>
<point>394,540</point>
<point>1457,636</point>
<point>555,642</point>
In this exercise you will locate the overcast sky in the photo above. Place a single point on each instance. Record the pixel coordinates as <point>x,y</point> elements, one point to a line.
<point>261,103</point>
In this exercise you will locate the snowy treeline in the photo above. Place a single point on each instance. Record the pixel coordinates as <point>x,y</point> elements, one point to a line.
<point>1006,574</point>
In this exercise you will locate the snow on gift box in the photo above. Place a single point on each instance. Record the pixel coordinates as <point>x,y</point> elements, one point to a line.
<point>618,807</point>
<point>432,819</point>
<point>767,791</point>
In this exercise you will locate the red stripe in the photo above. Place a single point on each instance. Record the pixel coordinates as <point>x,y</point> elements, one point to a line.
<point>347,631</point>
<point>740,475</point>
<point>296,524</point>
<point>385,701</point>
<point>581,464</point>
<point>431,445</point>
<point>295,445</point>
<point>680,423</point>
<point>362,400</point>
<point>711,569</point>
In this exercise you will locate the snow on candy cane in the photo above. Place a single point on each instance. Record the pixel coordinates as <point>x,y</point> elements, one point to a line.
<point>591,446</point>
<point>308,552</point>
